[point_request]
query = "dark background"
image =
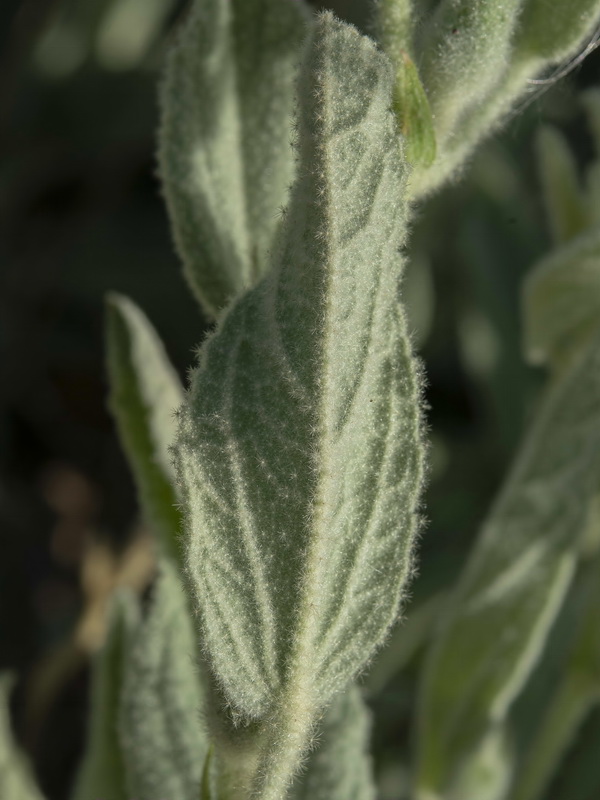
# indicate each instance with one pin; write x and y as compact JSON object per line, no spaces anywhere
{"x":80,"y":214}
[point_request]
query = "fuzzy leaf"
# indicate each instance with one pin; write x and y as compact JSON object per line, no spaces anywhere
{"x":145,"y":393}
{"x":340,"y":766}
{"x":465,"y":51}
{"x":563,"y":196}
{"x":224,"y":151}
{"x":16,"y":779}
{"x":561,"y":301}
{"x":102,"y":772}
{"x":299,"y":451}
{"x":516,"y":580}
{"x":553,"y":30}
{"x":163,"y":740}
{"x":546,"y":32}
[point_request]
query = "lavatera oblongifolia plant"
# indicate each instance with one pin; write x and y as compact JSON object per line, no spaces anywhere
{"x":285,"y":492}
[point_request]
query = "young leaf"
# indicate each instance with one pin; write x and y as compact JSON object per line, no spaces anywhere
{"x":162,"y":736}
{"x":553,"y":30}
{"x":516,"y":579}
{"x":561,"y":301}
{"x":465,"y":51}
{"x":563,"y":195}
{"x":16,"y":779}
{"x":299,"y":451}
{"x":414,"y":114}
{"x":102,"y":773}
{"x":546,"y":32}
{"x":145,"y":393}
{"x":224,"y":151}
{"x":340,"y":766}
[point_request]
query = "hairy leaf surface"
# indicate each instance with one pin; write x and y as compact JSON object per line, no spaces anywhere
{"x":225,"y":155}
{"x":16,"y":778}
{"x":299,"y":451}
{"x":162,"y":734}
{"x":340,"y":766}
{"x":145,"y":393}
{"x":516,"y":579}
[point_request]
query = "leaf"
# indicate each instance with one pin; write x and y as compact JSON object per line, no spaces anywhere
{"x":577,"y":692}
{"x":102,"y":772}
{"x":553,"y":30}
{"x":466,"y":49}
{"x":561,"y":301}
{"x":16,"y":779}
{"x":563,"y":196}
{"x":340,"y":766}
{"x":224,"y":152}
{"x":516,"y":579}
{"x":144,"y":395}
{"x":162,"y":735}
{"x":299,"y":452}
{"x":414,"y":114}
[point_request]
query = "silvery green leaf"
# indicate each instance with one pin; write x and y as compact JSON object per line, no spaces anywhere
{"x":553,"y":30}
{"x":145,"y":392}
{"x":561,"y":301}
{"x":16,"y":778}
{"x":339,"y":767}
{"x":563,"y":196}
{"x":162,"y":735}
{"x":465,"y":52}
{"x":578,"y":691}
{"x":546,"y":32}
{"x":516,"y":579}
{"x":225,"y":155}
{"x":102,"y":772}
{"x":299,"y":453}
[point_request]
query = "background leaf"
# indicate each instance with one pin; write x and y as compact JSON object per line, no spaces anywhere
{"x":516,"y":578}
{"x":225,"y":155}
{"x":16,"y":778}
{"x":163,"y":740}
{"x":145,"y":393}
{"x":102,"y":772}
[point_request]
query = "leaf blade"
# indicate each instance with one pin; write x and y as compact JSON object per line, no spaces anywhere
{"x":144,"y":395}
{"x":299,"y":453}
{"x":162,"y":738}
{"x":510,"y":592}
{"x":224,"y":151}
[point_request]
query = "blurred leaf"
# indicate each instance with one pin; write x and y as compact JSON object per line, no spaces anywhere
{"x":561,"y":301}
{"x":163,"y":740}
{"x":577,"y":691}
{"x":562,"y":193}
{"x":16,"y":777}
{"x":102,"y":772}
{"x":144,"y":394}
{"x":515,"y":580}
